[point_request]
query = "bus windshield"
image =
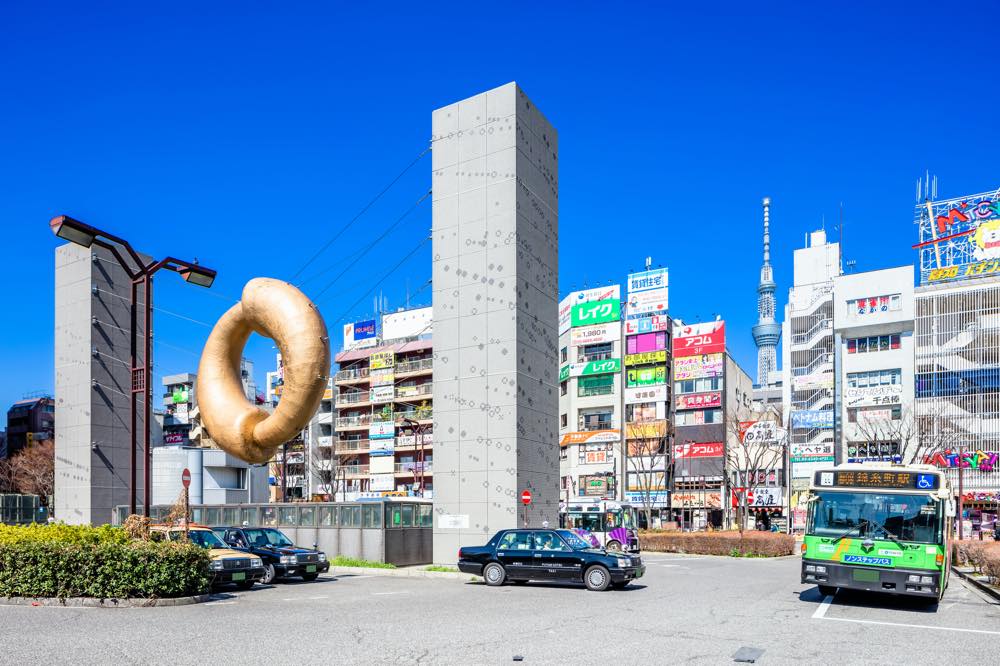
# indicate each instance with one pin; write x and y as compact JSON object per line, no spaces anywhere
{"x":584,"y":521}
{"x":875,"y":515}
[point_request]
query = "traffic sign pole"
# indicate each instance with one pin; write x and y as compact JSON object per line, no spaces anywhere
{"x":526,"y":500}
{"x":186,"y":482}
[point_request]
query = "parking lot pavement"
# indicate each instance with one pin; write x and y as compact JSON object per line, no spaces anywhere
{"x":697,"y":609}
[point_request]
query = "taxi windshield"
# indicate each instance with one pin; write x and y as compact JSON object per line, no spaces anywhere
{"x":267,"y":537}
{"x":204,"y":538}
{"x":575,"y":542}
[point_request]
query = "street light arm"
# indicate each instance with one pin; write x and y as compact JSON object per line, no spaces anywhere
{"x":121,"y":260}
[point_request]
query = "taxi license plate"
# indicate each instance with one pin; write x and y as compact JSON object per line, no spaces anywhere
{"x":239,"y":576}
{"x":638,"y":573}
{"x":310,"y":568}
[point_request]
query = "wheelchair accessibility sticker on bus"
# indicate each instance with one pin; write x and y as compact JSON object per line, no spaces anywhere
{"x":864,"y":559}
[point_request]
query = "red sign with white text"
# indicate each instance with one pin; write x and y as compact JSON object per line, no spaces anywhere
{"x":699,"y":339}
{"x":698,"y":450}
{"x":699,"y":400}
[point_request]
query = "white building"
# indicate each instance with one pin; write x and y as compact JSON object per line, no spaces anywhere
{"x":808,"y":364}
{"x":216,"y":477}
{"x":873,"y":325}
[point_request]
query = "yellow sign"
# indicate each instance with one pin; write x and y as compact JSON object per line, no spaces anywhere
{"x":647,"y":430}
{"x":383,"y":359}
{"x":646,"y":357}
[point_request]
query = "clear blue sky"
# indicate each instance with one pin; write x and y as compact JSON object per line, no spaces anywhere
{"x":246,"y":137}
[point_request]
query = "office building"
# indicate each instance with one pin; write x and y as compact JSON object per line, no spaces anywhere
{"x":495,"y":275}
{"x":29,"y":420}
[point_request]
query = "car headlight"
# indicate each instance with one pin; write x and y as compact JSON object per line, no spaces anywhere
{"x":623,"y":562}
{"x":215,"y":565}
{"x":288,"y":559}
{"x":256,"y":562}
{"x":322,"y":557}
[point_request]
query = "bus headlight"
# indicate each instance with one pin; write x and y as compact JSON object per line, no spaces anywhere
{"x":927,"y":580}
{"x":913,"y":578}
{"x":810,"y":568}
{"x":820,"y":569}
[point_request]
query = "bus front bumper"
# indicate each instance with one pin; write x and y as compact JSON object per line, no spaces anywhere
{"x":919,"y":582}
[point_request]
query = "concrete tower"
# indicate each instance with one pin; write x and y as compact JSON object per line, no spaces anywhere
{"x":767,"y":332}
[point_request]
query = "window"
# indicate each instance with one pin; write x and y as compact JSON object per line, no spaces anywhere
{"x":599,"y":385}
{"x":698,"y":417}
{"x":599,"y":419}
{"x":371,"y":516}
{"x":645,"y":411}
{"x":564,"y":354}
{"x":515,"y":541}
{"x":563,"y":387}
{"x":874,"y":378}
{"x":600,"y":351}
{"x":562,"y":421}
{"x":873,"y":344}
{"x":698,"y":385}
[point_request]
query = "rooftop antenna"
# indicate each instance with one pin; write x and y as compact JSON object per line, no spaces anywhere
{"x":649,"y":262}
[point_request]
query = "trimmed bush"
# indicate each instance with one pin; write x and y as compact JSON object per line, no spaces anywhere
{"x":754,"y":543}
{"x":982,"y":556}
{"x":79,"y":561}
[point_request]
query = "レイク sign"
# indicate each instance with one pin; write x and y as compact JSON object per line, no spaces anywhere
{"x":699,"y":339}
{"x":604,"y":367}
{"x":595,"y":312}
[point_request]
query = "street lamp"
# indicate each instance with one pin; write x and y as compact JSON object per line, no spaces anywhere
{"x":140,"y":272}
{"x":418,"y":432}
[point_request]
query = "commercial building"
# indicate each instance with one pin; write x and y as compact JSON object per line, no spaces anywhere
{"x":808,"y":364}
{"x":495,"y":275}
{"x":958,"y":348}
{"x":178,"y":404}
{"x":873,"y":328}
{"x":29,"y":420}
{"x":216,"y":477}
{"x":590,"y":393}
{"x":712,"y":393}
{"x":376,"y":435}
{"x":648,"y":395}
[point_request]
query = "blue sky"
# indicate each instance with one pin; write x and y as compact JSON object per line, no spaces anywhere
{"x":248,"y":136}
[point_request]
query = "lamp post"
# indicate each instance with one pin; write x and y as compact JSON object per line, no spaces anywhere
{"x":141,"y":272}
{"x":418,"y":432}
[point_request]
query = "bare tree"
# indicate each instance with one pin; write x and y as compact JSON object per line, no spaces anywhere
{"x":31,"y":470}
{"x":646,"y":446}
{"x":755,"y":450}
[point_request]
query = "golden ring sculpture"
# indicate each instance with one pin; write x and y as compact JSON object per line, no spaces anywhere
{"x":279,"y":311}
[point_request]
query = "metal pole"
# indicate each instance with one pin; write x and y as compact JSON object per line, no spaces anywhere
{"x":131,"y":395}
{"x":147,"y":394}
{"x":961,"y":498}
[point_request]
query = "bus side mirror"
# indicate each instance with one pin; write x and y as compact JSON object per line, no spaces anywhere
{"x":949,"y":509}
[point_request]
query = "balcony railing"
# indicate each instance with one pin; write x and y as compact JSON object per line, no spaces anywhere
{"x":413,"y":467}
{"x":350,"y":373}
{"x":415,"y":366}
{"x":404,"y":393}
{"x":412,"y":441}
{"x":352,"y":398}
{"x":354,"y":470}
{"x":422,"y":414}
{"x":591,"y":426}
{"x":354,"y":421}
{"x":352,"y":445}
{"x":821,"y":325}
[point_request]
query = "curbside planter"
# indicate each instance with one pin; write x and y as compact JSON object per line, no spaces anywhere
{"x":91,"y":602}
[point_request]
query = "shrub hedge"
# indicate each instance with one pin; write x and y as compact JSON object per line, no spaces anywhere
{"x":982,"y":556}
{"x":753,"y":544}
{"x":101,"y":562}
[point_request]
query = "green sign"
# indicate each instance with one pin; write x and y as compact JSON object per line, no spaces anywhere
{"x":180,"y":395}
{"x":604,"y":367}
{"x":647,"y":376}
{"x":595,"y":312}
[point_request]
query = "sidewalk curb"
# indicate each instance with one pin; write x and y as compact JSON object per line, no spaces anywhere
{"x":408,"y":572}
{"x":91,"y":602}
{"x":981,"y":586}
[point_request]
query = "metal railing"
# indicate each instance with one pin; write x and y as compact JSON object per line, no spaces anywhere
{"x":354,"y":470}
{"x":405,"y":392}
{"x":352,"y":421}
{"x":350,"y":373}
{"x":822,"y":324}
{"x":585,"y":391}
{"x":352,"y":445}
{"x":352,"y":398}
{"x":423,"y":414}
{"x":411,"y":467}
{"x":414,"y":366}
{"x":825,"y":357}
{"x":602,"y":425}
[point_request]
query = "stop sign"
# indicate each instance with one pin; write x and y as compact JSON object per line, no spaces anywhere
{"x":526,"y":497}
{"x":186,"y":477}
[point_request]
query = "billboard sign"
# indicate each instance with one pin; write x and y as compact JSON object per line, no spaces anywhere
{"x":886,"y":394}
{"x":645,"y":358}
{"x":381,"y":482}
{"x":698,"y":400}
{"x":696,"y":500}
{"x":699,"y":339}
{"x":594,"y":486}
{"x":647,"y":375}
{"x":809,"y":453}
{"x":407,"y":324}
{"x":959,"y":238}
{"x":695,"y":367}
{"x":604,"y":367}
{"x":699,"y":450}
{"x":652,"y":280}
{"x":382,"y":448}
{"x":382,"y":360}
{"x":586,"y":335}
{"x":821,"y":380}
{"x":360,"y":334}
{"x":766,"y":433}
{"x":382,"y":394}
{"x":590,"y":437}
{"x":382,"y":376}
{"x":813,"y":418}
{"x":595,"y":312}
{"x":382,"y":430}
{"x":639,"y":394}
{"x":648,"y":324}
{"x":647,"y":303}
{"x":761,"y":497}
{"x":587,"y":295}
{"x":646,"y":430}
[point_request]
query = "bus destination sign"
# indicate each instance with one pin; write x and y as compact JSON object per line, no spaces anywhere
{"x":878,"y":479}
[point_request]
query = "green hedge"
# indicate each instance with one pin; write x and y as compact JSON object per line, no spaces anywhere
{"x":752,"y":544}
{"x":77,"y":561}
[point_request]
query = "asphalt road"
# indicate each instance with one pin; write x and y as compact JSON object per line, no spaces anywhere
{"x":686,"y":609}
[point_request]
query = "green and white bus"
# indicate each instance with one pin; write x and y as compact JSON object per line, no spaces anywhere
{"x":879,"y":527}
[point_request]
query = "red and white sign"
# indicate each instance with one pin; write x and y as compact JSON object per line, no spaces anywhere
{"x":698,"y":339}
{"x":648,"y":324}
{"x":526,"y":497}
{"x":698,"y":450}
{"x":758,"y":497}
{"x":186,"y":477}
{"x":699,"y":400}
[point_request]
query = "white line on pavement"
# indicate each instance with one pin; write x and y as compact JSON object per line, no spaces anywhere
{"x":322,"y":597}
{"x":380,"y":594}
{"x":823,"y":607}
{"x":219,"y":603}
{"x":914,"y":626}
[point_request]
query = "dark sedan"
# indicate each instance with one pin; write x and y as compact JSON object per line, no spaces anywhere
{"x":544,"y":554}
{"x":281,"y":557}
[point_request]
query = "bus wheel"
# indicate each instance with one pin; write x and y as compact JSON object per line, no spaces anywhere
{"x":827,"y":590}
{"x":615,"y":546}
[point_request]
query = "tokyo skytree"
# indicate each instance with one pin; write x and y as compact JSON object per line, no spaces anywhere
{"x":767,"y":332}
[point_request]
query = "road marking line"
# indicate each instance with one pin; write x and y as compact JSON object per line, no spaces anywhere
{"x":914,"y":626}
{"x":823,"y":607}
{"x":669,"y":565}
{"x":323,"y":597}
{"x":219,"y":603}
{"x":379,"y":594}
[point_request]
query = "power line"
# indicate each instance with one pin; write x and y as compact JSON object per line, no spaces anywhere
{"x":361,"y":212}
{"x":372,"y":244}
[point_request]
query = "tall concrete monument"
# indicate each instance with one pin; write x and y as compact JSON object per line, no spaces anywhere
{"x":495,"y":277}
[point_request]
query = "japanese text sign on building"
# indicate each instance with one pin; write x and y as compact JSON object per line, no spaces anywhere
{"x":382,"y":359}
{"x":647,"y":375}
{"x":644,"y":358}
{"x":595,"y":312}
{"x":699,"y":339}
{"x":698,"y":400}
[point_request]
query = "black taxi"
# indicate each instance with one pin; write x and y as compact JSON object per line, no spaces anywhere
{"x":521,"y":555}
{"x":282,"y":558}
